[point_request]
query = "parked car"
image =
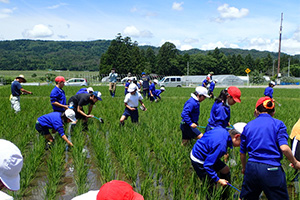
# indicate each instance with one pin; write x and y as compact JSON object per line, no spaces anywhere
{"x":76,"y":82}
{"x":170,"y":81}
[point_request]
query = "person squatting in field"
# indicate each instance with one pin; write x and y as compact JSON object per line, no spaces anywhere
{"x":190,"y":115}
{"x":211,"y":88}
{"x":129,"y":81}
{"x":265,"y":139}
{"x":207,"y":151}
{"x":16,"y":91}
{"x":152,"y":90}
{"x":295,"y":137}
{"x":157,"y":93}
{"x":269,"y":90}
{"x":11,"y":163}
{"x":77,"y":102}
{"x":55,"y":121}
{"x":57,"y":96}
{"x":220,"y":111}
{"x":88,"y":90}
{"x":131,"y":101}
{"x":205,"y":82}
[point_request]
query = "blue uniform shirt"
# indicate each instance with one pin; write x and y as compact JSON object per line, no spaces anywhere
{"x":219,"y":115}
{"x":82,"y":90}
{"x":269,"y":92}
{"x":262,"y":138}
{"x":145,"y":80}
{"x":53,"y":121}
{"x":58,"y":95}
{"x":204,"y":83}
{"x":126,"y":87}
{"x":191,"y":111}
{"x":152,"y":88}
{"x":157,"y":93}
{"x":212,"y":86}
{"x":211,"y":147}
{"x":16,"y":88}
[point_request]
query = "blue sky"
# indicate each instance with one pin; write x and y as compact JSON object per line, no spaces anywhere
{"x":202,"y":24}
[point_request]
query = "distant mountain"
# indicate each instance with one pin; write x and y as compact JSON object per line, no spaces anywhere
{"x":78,"y":55}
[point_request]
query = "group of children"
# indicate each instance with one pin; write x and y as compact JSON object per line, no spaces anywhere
{"x":264,"y":139}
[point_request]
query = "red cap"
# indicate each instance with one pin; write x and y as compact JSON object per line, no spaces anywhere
{"x":235,"y":93}
{"x":264,"y":101}
{"x":59,"y":79}
{"x":118,"y":190}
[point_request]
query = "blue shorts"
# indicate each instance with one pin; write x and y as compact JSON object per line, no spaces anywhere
{"x":189,"y":133}
{"x":201,"y":172}
{"x":41,"y":129}
{"x":263,"y":177}
{"x":134,"y":114}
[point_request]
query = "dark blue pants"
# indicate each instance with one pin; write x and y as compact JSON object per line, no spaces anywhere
{"x":263,"y":177}
{"x":189,"y":133}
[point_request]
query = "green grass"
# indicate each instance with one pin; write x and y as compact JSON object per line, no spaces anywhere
{"x":147,"y":155}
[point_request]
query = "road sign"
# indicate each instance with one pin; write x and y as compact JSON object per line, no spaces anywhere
{"x":247,"y":70}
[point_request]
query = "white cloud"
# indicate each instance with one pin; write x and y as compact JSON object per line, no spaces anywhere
{"x":177,"y":6}
{"x":5,"y":12}
{"x":57,"y":6}
{"x":4,"y":1}
{"x":186,"y":47}
{"x":132,"y":31}
{"x":211,"y":45}
{"x":38,"y":31}
{"x":230,"y":13}
{"x":191,"y":40}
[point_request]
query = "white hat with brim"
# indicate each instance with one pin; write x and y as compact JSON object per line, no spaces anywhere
{"x":132,"y":87}
{"x":70,"y":114}
{"x":90,"y":89}
{"x":239,"y":126}
{"x":273,"y":83}
{"x":22,"y":77}
{"x":202,"y":91}
{"x":155,"y":81}
{"x":11,"y":163}
{"x":97,"y":94}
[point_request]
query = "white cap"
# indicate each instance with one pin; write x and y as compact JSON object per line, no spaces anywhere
{"x":132,"y":87}
{"x":90,"y":89}
{"x":155,"y":81}
{"x":239,"y":126}
{"x":141,"y":81}
{"x":216,"y":80}
{"x":97,"y":94}
{"x":162,"y":88}
{"x":70,"y":114}
{"x":202,"y":91}
{"x":11,"y":163}
{"x":273,"y":83}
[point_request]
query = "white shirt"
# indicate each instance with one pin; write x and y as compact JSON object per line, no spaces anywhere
{"x":4,"y":196}
{"x":133,"y":100}
{"x":87,"y":196}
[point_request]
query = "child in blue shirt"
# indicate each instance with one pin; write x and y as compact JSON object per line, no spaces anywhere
{"x":190,"y":115}
{"x":265,"y":139}
{"x":57,"y":95}
{"x":269,"y":90}
{"x":157,"y":93}
{"x":220,"y":111}
{"x":207,"y":151}
{"x":55,"y":121}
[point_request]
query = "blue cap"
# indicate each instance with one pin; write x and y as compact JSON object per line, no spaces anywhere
{"x":97,"y":94}
{"x":143,"y":73}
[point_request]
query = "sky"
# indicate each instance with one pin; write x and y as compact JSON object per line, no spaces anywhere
{"x":201,"y":24}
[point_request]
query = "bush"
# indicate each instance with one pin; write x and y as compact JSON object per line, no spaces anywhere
{"x":256,"y":77}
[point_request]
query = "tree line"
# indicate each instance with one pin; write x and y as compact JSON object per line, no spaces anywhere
{"x":127,"y":56}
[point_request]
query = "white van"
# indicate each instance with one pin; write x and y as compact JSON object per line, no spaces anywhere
{"x":171,"y":81}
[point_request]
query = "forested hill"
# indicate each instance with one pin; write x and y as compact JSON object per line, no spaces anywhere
{"x":77,"y":55}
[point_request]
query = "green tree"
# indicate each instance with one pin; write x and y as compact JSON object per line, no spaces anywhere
{"x":165,"y":59}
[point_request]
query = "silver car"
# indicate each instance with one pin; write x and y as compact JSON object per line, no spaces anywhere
{"x":76,"y":82}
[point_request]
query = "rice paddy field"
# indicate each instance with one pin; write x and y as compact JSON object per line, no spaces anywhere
{"x":148,"y":155}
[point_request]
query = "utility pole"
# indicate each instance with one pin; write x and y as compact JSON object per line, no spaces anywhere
{"x":280,"y":32}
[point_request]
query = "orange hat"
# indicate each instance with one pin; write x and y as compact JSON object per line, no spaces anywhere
{"x":235,"y":93}
{"x":264,"y":101}
{"x":59,"y":79}
{"x":118,"y":190}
